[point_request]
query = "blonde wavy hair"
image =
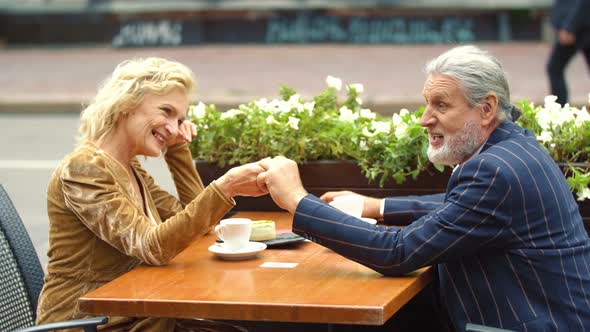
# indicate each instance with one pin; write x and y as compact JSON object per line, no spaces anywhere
{"x":126,"y":89}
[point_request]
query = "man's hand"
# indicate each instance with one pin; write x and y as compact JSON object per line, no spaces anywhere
{"x":242,"y":181}
{"x":566,"y":37}
{"x":371,"y":207}
{"x":282,"y":181}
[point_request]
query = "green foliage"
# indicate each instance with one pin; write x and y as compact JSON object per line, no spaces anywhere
{"x":385,"y":148}
{"x":319,"y":129}
{"x":564,"y":131}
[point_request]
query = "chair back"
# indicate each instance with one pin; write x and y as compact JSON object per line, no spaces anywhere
{"x":21,"y":275}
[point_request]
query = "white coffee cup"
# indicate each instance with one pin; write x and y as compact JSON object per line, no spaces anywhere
{"x":235,"y":232}
{"x":351,"y":204}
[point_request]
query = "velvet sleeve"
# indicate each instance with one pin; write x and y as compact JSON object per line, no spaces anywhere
{"x":92,"y":192}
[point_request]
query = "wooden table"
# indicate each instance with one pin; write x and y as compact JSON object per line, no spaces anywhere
{"x":323,"y":288}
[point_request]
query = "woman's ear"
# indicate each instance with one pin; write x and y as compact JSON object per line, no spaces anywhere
{"x":489,"y":108}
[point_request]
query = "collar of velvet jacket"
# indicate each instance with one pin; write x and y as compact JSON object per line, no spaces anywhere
{"x":119,"y":172}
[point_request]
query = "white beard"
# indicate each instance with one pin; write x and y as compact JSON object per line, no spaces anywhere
{"x":457,"y":148}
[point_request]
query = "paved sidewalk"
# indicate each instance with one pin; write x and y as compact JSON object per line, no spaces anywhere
{"x":62,"y":79}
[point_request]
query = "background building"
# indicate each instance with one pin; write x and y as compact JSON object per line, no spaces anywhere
{"x":124,"y":23}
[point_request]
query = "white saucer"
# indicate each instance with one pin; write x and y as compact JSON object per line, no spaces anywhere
{"x":250,"y":251}
{"x":370,"y":220}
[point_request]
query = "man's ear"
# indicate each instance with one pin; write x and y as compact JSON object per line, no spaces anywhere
{"x":489,"y":109}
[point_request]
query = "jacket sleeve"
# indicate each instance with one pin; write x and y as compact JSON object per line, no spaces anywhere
{"x":186,"y":180}
{"x":93,"y":194}
{"x":578,"y":12}
{"x":474,"y":215}
{"x":405,"y":209}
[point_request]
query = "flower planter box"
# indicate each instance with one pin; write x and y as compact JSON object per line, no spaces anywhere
{"x":321,"y":176}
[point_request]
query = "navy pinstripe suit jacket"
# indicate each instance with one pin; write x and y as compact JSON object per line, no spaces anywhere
{"x":507,"y":239}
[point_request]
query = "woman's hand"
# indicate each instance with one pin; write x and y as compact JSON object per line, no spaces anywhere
{"x":185,"y":133}
{"x":241,"y":181}
{"x":371,"y":208}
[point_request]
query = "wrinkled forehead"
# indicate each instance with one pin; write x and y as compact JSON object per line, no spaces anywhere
{"x":441,"y":85}
{"x":177,"y":99}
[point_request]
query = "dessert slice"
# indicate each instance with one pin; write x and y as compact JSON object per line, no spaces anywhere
{"x":263,"y":230}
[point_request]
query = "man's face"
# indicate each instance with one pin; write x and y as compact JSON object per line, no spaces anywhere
{"x":454,"y":128}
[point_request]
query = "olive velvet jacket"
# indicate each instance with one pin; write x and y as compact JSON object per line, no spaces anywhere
{"x":98,"y":230}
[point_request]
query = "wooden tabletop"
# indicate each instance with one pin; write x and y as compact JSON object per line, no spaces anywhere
{"x":323,"y":288}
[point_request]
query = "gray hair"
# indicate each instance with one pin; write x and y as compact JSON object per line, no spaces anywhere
{"x":480,"y":73}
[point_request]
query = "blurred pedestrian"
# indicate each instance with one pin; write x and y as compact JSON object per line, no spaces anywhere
{"x":571,"y":21}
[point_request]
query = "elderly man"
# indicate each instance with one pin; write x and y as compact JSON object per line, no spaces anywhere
{"x":507,"y":239}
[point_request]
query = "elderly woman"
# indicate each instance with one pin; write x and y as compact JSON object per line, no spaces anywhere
{"x":106,"y":213}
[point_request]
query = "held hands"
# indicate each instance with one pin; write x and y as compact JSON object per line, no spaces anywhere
{"x":185,"y":133}
{"x":282,"y":182}
{"x":371,"y":208}
{"x":242,"y":181}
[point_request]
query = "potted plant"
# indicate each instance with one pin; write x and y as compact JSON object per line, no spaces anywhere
{"x":341,"y":145}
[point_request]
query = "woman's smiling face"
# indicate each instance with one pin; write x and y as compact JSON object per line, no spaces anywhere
{"x":154,"y":123}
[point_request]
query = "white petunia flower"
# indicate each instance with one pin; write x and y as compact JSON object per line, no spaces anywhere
{"x":363,"y":145}
{"x":334,"y":82}
{"x":582,"y":117}
{"x":293,"y":123}
{"x":279,"y":106}
{"x":199,"y":110}
{"x":270,"y":119}
{"x":545,"y":137}
{"x":396,"y":119}
{"x":358,"y":87}
{"x":367,"y":113}
{"x":401,"y":131}
{"x":295,"y":102}
{"x":368,"y":133}
{"x":294,"y":99}
{"x":583,"y":194}
{"x":285,"y":106}
{"x":261,"y":103}
{"x":309,"y":107}
{"x":230,"y":114}
{"x":347,"y":115}
{"x":381,"y":127}
{"x":549,"y":100}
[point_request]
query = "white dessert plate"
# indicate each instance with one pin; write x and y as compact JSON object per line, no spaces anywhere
{"x":250,"y":251}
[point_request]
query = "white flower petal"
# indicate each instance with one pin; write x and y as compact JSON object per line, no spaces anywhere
{"x":358,"y":87}
{"x":334,"y":82}
{"x":583,"y":194}
{"x":293,"y":123}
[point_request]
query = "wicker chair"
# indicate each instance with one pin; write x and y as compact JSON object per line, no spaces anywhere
{"x":21,"y":277}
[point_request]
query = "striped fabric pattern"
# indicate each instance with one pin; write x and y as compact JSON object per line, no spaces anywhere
{"x":507,"y":239}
